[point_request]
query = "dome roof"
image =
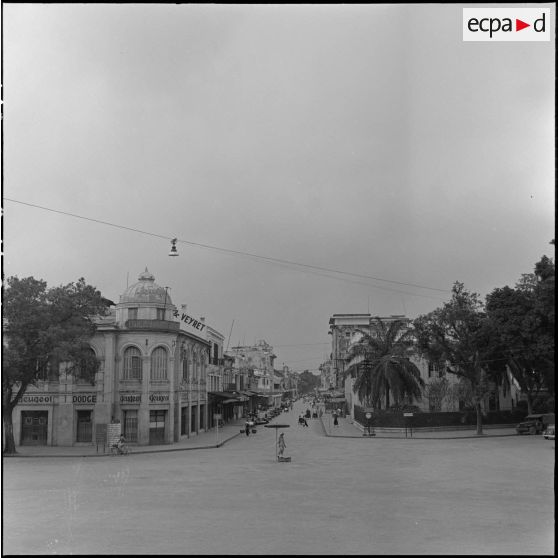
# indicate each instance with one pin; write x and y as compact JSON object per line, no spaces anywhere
{"x":146,"y":290}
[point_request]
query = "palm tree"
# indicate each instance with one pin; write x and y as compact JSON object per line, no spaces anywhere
{"x":384,"y":366}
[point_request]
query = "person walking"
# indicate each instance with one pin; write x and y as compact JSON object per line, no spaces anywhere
{"x":281,"y":445}
{"x":247,"y":429}
{"x":335,"y":421}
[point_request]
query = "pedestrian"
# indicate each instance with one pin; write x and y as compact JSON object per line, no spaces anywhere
{"x":121,"y":444}
{"x":335,"y":421}
{"x":281,"y":445}
{"x":305,"y":423}
{"x":247,"y":429}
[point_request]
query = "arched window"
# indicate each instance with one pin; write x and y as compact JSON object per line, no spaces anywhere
{"x":159,"y":364}
{"x":196,"y":369}
{"x":132,"y":364}
{"x":185,"y":368}
{"x":203,"y":375}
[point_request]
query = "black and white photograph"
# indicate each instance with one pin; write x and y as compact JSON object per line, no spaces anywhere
{"x":278,"y":279}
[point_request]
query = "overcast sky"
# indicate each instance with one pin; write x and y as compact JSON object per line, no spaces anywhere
{"x":367,"y":139}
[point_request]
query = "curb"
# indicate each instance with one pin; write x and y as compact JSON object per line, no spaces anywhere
{"x":484,"y":435}
{"x":211,"y":446}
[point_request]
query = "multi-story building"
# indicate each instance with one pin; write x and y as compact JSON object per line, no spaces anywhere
{"x":341,"y":328}
{"x":256,"y":363}
{"x":327,"y":377}
{"x":290,"y":381}
{"x":439,"y":393}
{"x":152,"y":378}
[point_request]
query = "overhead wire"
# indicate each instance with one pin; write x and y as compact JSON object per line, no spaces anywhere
{"x":288,"y":263}
{"x":306,"y":267}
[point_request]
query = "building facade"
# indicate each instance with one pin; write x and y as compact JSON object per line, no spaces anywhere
{"x":441,"y":391}
{"x":256,"y":364}
{"x":152,"y":378}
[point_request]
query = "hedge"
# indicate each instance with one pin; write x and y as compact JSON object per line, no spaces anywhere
{"x":433,"y":419}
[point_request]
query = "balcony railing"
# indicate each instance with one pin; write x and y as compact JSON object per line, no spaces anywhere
{"x":217,"y":361}
{"x":159,"y":325}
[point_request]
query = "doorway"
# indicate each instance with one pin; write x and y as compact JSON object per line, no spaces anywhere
{"x":131,"y":425}
{"x":84,"y":427}
{"x":34,"y":428}
{"x":157,"y":421}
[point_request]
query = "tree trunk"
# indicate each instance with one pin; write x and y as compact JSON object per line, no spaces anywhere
{"x":387,"y":397}
{"x":9,"y":441}
{"x":479,"y":417}
{"x":529,"y":403}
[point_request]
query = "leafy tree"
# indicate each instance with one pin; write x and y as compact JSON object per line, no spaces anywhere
{"x":307,"y":382}
{"x":461,"y":392}
{"x":437,"y":391}
{"x":522,"y":320}
{"x":456,"y":335}
{"x":42,"y":328}
{"x":385,"y":367}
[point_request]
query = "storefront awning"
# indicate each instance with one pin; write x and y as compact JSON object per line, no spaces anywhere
{"x":221,"y":394}
{"x":228,"y":396}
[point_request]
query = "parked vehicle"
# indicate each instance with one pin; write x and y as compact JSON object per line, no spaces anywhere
{"x":261,"y":420}
{"x":535,"y":424}
{"x":548,"y":434}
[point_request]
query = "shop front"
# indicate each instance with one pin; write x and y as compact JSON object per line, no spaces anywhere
{"x":157,"y":426}
{"x":159,"y":417}
{"x":34,"y":428}
{"x":84,"y":426}
{"x":84,"y":404}
{"x":33,"y":419}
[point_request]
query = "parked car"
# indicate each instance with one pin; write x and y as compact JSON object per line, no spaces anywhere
{"x":535,"y":424}
{"x":548,"y":434}
{"x":261,"y":420}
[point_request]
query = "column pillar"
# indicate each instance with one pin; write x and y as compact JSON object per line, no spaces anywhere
{"x":170,"y":437}
{"x":143,"y":412}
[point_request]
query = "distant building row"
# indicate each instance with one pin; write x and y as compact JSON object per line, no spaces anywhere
{"x":163,"y":375}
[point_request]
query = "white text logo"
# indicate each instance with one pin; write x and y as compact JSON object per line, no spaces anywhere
{"x":506,"y":24}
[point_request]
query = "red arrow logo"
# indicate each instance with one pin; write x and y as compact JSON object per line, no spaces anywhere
{"x":519,"y":25}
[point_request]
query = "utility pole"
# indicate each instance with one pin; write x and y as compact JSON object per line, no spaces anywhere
{"x":230,"y":332}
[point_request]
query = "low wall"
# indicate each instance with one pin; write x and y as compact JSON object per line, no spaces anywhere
{"x":397,"y":430}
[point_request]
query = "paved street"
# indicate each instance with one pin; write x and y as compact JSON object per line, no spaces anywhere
{"x":339,"y":495}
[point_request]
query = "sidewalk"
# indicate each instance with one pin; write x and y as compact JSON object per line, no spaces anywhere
{"x":203,"y":440}
{"x":211,"y":439}
{"x":347,"y":429}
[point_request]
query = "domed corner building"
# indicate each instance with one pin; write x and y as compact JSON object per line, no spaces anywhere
{"x":151,"y":379}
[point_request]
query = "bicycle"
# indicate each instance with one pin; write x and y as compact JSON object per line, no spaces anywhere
{"x":119,"y":450}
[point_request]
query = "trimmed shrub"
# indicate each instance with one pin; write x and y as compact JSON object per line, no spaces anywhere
{"x":396,"y":419}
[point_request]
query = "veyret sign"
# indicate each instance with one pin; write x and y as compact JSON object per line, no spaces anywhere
{"x":189,"y":321}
